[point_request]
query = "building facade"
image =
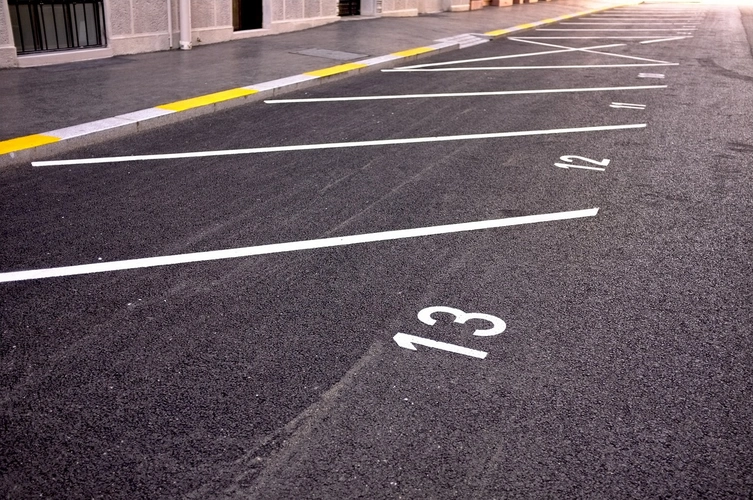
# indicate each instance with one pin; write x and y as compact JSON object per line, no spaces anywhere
{"x":38,"y":32}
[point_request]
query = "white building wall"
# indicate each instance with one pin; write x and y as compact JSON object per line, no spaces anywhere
{"x":136,"y":26}
{"x":293,"y":15}
{"x":7,"y":48}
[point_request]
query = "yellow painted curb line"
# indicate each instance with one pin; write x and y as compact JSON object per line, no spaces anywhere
{"x":205,"y":100}
{"x":26,"y":142}
{"x":333,"y":70}
{"x":412,"y":52}
{"x":499,"y":32}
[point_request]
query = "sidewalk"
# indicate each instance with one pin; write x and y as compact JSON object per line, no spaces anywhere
{"x":127,"y":93}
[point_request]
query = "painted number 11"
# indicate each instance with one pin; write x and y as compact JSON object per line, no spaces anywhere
{"x":425,"y":315}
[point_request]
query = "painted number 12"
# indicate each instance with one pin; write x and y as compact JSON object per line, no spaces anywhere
{"x":569,"y":159}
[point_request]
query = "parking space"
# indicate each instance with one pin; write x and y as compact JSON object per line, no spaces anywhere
{"x":468,"y":277}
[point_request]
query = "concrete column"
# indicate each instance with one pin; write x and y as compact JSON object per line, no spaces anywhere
{"x":185,"y":24}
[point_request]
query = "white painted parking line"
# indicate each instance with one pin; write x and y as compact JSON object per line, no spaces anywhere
{"x":650,"y":75}
{"x":666,"y":39}
{"x":645,"y":37}
{"x":636,"y":15}
{"x":335,"y":145}
{"x":460,"y":94}
{"x":232,"y":253}
{"x":609,"y":29}
{"x":649,"y":11}
{"x":507,"y":68}
{"x":638,"y":18}
{"x":627,"y":105}
{"x":620,"y":23}
{"x":643,"y":21}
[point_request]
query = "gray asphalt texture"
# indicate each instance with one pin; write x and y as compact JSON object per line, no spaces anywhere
{"x":625,"y":368}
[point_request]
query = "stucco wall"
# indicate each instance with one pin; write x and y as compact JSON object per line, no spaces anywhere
{"x":7,"y":48}
{"x":142,"y":25}
{"x":135,"y":26}
{"x":6,"y":37}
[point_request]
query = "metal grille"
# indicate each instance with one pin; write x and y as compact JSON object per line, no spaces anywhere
{"x":47,"y":25}
{"x":349,"y":7}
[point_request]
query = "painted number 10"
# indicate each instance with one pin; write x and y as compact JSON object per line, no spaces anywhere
{"x":425,"y":315}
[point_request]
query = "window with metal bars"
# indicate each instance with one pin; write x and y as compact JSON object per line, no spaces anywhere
{"x":48,"y":25}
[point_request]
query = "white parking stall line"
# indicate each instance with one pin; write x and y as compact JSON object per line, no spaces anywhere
{"x":637,"y":15}
{"x":644,"y":19}
{"x":666,"y":39}
{"x":620,"y":23}
{"x":649,"y":11}
{"x":627,"y":105}
{"x":609,"y":29}
{"x":459,"y":94}
{"x":510,"y":68}
{"x":643,"y":16}
{"x":335,"y":145}
{"x":644,"y":37}
{"x":232,"y":253}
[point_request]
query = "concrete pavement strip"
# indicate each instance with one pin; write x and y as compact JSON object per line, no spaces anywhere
{"x":30,"y":147}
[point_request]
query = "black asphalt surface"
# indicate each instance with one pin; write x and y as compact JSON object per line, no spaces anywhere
{"x":625,"y":367}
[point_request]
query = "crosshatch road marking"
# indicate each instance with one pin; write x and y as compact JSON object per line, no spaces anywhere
{"x":289,"y":247}
{"x":446,"y":65}
{"x":561,"y":50}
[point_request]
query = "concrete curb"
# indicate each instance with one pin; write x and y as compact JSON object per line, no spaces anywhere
{"x":31,"y":147}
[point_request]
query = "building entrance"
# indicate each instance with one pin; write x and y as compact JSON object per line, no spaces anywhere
{"x":247,"y":15}
{"x":349,"y":8}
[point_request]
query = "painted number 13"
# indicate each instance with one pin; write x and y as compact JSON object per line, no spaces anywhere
{"x":425,"y":315}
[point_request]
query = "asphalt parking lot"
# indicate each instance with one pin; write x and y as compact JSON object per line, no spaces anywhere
{"x":517,"y":270}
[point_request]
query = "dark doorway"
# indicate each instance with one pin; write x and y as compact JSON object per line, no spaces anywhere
{"x":247,"y":14}
{"x":349,"y":8}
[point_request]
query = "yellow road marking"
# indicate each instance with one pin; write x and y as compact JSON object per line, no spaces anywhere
{"x":26,"y":142}
{"x":497,"y":32}
{"x":204,"y":100}
{"x":333,"y":70}
{"x":412,"y":52}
